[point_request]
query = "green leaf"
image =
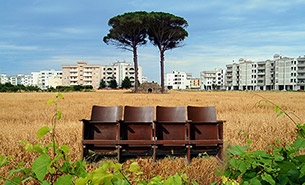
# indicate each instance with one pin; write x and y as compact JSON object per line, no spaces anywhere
{"x":21,"y":164}
{"x":280,"y":113}
{"x":58,"y":95}
{"x":80,"y":168}
{"x":45,"y":183}
{"x":81,"y":181}
{"x":302,"y":171}
{"x":3,"y":160}
{"x":255,"y":181}
{"x":134,"y":167}
{"x":66,"y":180}
{"x":65,"y":148}
{"x":299,"y":143}
{"x":12,"y":172}
{"x":13,"y":181}
{"x":43,"y":131}
{"x":50,"y":101}
{"x":268,"y":178}
{"x":249,"y":141}
{"x":276,"y":108}
{"x":58,"y":114}
{"x":51,"y":170}
{"x":40,"y":166}
{"x":116,"y":166}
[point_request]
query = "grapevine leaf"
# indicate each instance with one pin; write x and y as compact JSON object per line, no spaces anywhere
{"x":268,"y":178}
{"x":276,"y":108}
{"x":134,"y":167}
{"x":59,"y":113}
{"x":40,"y":166}
{"x":43,"y":131}
{"x":66,"y":179}
{"x":50,"y":101}
{"x":279,"y":113}
{"x":65,"y":148}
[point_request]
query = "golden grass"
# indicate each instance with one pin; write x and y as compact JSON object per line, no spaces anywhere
{"x":22,"y":114}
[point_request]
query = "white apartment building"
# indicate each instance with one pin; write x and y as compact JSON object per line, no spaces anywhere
{"x":281,"y":73}
{"x":26,"y":80}
{"x":119,"y":71}
{"x":45,"y":79}
{"x":4,"y":79}
{"x":212,"y":80}
{"x":176,"y":80}
{"x":144,"y":79}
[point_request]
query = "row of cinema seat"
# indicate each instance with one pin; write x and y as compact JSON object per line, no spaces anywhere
{"x":106,"y":134}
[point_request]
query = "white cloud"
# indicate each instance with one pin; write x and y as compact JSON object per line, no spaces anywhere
{"x":15,"y":47}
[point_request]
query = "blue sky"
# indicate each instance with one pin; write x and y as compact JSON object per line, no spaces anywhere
{"x":39,"y":34}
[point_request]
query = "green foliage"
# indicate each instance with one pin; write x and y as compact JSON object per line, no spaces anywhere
{"x":283,"y":165}
{"x":8,"y":87}
{"x":83,"y":88}
{"x":113,"y":84}
{"x":126,"y":83}
{"x":102,"y":84}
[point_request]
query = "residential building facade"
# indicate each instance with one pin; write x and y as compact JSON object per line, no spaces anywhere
{"x":4,"y":79}
{"x":212,"y":80}
{"x":176,"y":80}
{"x":281,"y":73}
{"x":81,"y":74}
{"x":84,"y":74}
{"x":119,"y":71}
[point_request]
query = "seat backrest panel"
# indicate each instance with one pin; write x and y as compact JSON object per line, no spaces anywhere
{"x":202,"y":114}
{"x":171,"y":114}
{"x":106,"y":114}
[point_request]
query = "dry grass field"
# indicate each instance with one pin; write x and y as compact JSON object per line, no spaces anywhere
{"x":22,"y":114}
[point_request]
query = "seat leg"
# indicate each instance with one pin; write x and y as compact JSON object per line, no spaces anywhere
{"x":84,"y":151}
{"x":154,"y":153}
{"x":188,"y":154}
{"x":119,"y":153}
{"x":220,"y":153}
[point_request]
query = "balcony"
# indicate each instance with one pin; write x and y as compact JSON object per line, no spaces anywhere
{"x":301,"y":64}
{"x":73,"y":70}
{"x":73,"y":83}
{"x":88,"y":79}
{"x":73,"y":74}
{"x":301,"y":70}
{"x":261,"y":67}
{"x":301,"y":77}
{"x":87,"y":74}
{"x":87,"y":70}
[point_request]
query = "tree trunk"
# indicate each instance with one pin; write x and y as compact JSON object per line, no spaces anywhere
{"x":135,"y":61}
{"x":162,"y":70}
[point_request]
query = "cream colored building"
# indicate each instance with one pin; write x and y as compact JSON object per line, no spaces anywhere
{"x":81,"y":74}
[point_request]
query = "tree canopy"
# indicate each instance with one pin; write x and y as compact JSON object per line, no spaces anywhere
{"x":128,"y":31}
{"x":166,"y":31}
{"x":126,"y":83}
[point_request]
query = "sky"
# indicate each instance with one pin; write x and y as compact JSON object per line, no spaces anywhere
{"x":42,"y":34}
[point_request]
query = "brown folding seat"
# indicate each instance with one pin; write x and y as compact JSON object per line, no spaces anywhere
{"x":205,"y":131}
{"x":171,"y":131}
{"x":137,"y":131}
{"x":101,"y":133}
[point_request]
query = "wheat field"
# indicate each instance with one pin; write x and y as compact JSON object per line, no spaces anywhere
{"x":22,"y":114}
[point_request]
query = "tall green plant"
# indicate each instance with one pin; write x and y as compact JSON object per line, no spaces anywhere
{"x":283,"y":165}
{"x":53,"y":163}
